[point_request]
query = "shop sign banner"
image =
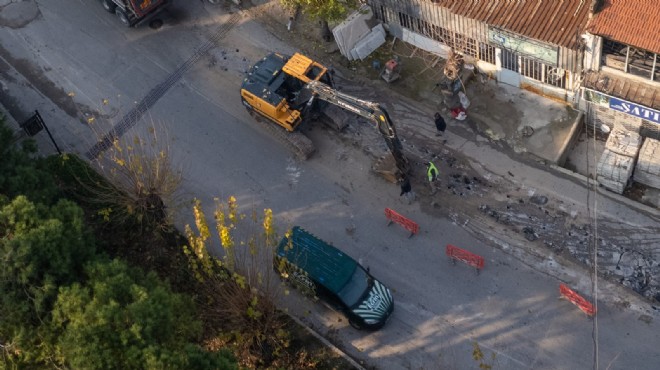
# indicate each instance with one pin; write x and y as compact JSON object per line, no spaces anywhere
{"x":624,"y":106}
{"x":526,"y":47}
{"x":635,"y":110}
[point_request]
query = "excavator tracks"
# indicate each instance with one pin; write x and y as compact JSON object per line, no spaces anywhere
{"x":297,"y":142}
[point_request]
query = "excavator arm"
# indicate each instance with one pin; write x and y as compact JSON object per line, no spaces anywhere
{"x":369,"y":110}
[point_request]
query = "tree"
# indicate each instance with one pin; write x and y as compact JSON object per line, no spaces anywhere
{"x":240,"y":287}
{"x":130,"y":193}
{"x":22,"y":172}
{"x":133,"y":182}
{"x":41,"y":248}
{"x":323,"y":10}
{"x":123,"y":319}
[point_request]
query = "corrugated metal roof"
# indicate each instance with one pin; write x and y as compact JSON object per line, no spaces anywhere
{"x":557,"y":22}
{"x":632,"y":22}
{"x":645,"y":94}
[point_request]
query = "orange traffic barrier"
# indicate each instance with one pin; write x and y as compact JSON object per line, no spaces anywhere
{"x":577,"y":300}
{"x":407,"y":224}
{"x":458,"y":254}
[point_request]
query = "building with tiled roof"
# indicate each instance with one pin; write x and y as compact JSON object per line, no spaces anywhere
{"x":620,"y":91}
{"x":621,"y":83}
{"x":530,"y":44}
{"x":631,"y":22}
{"x":555,"y":22}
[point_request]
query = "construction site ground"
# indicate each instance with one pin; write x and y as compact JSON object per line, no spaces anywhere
{"x":494,"y":180}
{"x":540,"y":216}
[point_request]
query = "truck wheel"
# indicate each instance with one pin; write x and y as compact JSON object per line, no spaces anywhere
{"x":123,"y":18}
{"x":109,"y":6}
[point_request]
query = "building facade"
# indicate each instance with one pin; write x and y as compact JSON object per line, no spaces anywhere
{"x":621,"y":85}
{"x":534,"y":45}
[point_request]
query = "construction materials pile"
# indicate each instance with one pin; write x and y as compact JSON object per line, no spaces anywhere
{"x":454,"y":66}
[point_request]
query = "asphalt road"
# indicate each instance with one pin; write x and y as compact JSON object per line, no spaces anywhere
{"x":83,"y":71}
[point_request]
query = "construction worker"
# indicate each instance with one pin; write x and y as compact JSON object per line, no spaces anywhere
{"x":406,"y":189}
{"x":432,"y":173}
{"x":440,"y":124}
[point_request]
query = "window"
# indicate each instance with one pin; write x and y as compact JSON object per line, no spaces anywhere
{"x":487,"y":53}
{"x":555,"y":76}
{"x":351,"y":293}
{"x":383,"y":14}
{"x":443,"y":35}
{"x":531,"y":68}
{"x":465,"y":45}
{"x":404,"y":20}
{"x":425,"y":28}
{"x":640,"y":62}
{"x":629,"y":59}
{"x":509,"y":60}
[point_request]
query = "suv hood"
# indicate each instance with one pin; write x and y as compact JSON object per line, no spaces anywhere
{"x":377,"y":305}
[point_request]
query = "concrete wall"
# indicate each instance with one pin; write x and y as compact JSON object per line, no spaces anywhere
{"x":593,"y":48}
{"x":487,"y":68}
{"x":542,"y":89}
{"x":601,"y":115}
{"x":572,"y":140}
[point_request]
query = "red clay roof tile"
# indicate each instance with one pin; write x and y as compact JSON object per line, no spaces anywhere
{"x":632,"y":22}
{"x":558,"y":22}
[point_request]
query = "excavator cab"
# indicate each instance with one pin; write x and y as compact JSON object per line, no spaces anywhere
{"x":274,"y":87}
{"x":304,"y":69}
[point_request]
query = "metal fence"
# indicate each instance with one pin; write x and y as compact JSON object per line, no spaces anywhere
{"x":469,"y":37}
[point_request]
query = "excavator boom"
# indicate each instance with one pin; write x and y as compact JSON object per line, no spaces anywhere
{"x":374,"y":112}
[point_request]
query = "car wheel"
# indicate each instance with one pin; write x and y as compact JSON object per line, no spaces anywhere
{"x":109,"y":6}
{"x":355,"y":324}
{"x":123,"y":18}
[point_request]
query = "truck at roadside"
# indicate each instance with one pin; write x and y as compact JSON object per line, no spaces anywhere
{"x":133,"y":13}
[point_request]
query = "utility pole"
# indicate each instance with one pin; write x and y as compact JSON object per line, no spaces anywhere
{"x":34,"y":125}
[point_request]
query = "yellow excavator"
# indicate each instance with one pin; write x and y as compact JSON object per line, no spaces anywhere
{"x":289,"y":91}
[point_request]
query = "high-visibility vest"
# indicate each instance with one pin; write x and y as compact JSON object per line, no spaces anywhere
{"x":430,"y":172}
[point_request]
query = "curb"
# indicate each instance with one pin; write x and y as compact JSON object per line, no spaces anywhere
{"x":641,"y":207}
{"x":327,"y":343}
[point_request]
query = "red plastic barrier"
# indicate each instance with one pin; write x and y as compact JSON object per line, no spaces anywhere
{"x":577,"y":300}
{"x":407,"y":224}
{"x":456,"y":253}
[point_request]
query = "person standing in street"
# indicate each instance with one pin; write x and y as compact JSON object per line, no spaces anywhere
{"x":440,"y":124}
{"x":432,"y":174}
{"x":406,"y":189}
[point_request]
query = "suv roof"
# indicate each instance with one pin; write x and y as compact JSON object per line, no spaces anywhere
{"x":321,"y":261}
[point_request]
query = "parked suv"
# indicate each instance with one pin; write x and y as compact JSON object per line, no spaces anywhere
{"x":325,"y":272}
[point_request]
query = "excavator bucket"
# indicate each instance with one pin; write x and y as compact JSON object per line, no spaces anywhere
{"x":386,"y":167}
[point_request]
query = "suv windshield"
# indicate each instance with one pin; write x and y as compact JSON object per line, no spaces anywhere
{"x":355,"y":288}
